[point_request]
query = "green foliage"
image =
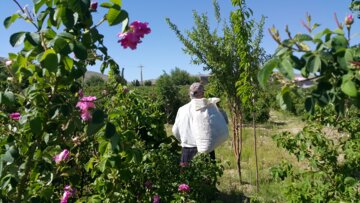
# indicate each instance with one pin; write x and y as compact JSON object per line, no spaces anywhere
{"x":181,"y":77}
{"x":95,"y":81}
{"x":111,"y":154}
{"x":148,"y":83}
{"x":329,"y":141}
{"x":331,"y":154}
{"x":331,"y":66}
{"x":135,"y":83}
{"x":169,"y":96}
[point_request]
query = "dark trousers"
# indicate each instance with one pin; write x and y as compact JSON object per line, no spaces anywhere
{"x":188,"y":153}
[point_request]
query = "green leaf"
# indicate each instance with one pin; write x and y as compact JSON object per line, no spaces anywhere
{"x":90,"y":164}
{"x":110,"y":130}
{"x":10,"y":20}
{"x":93,"y":128}
{"x":33,"y":38}
{"x":281,"y":51}
{"x":67,"y":16}
{"x":80,"y":51}
{"x":98,"y":116}
{"x":106,"y":5}
{"x":266,"y":71}
{"x":286,"y":68}
{"x":17,"y":38}
{"x":302,"y":37}
{"x":116,"y":15}
{"x":125,"y":25}
{"x":49,"y":60}
{"x":349,"y":88}
{"x":117,"y":2}
{"x":36,"y":126}
{"x":68,"y":62}
{"x":115,"y":143}
{"x":315,"y":64}
{"x":7,"y":98}
{"x":38,"y":5}
{"x":102,"y":164}
{"x":62,"y":46}
{"x":339,"y":42}
{"x":11,"y":154}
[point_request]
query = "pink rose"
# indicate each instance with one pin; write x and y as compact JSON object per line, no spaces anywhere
{"x":15,"y":116}
{"x":349,"y":20}
{"x":156,"y":199}
{"x":140,"y":28}
{"x":84,"y":105}
{"x":85,"y":115}
{"x":133,"y":37}
{"x":129,"y":39}
{"x":68,"y":192}
{"x":184,"y":188}
{"x":64,"y":155}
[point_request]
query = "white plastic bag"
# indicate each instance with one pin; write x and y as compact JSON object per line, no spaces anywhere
{"x":210,"y":128}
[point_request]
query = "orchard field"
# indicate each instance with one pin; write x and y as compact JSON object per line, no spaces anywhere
{"x":69,"y":138}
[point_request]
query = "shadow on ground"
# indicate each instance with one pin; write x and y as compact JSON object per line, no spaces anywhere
{"x":232,"y":197}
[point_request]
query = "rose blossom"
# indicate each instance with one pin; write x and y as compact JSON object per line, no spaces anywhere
{"x":156,"y":199}
{"x":68,"y":192}
{"x":15,"y":116}
{"x":129,"y":39}
{"x":140,"y":28}
{"x":64,"y":155}
{"x":349,"y":20}
{"x":133,"y":37}
{"x":184,"y":188}
{"x":84,"y":105}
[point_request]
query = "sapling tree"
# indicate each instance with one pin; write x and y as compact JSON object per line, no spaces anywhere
{"x":229,"y":56}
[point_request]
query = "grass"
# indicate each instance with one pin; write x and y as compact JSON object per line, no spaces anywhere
{"x":269,"y":155}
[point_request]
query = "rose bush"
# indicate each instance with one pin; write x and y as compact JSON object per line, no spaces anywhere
{"x":56,"y":144}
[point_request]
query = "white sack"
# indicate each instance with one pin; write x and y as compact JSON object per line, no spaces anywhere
{"x":210,"y":128}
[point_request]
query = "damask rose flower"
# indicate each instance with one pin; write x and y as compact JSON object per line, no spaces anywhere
{"x":349,"y":20}
{"x":133,"y":37}
{"x":156,"y":199}
{"x":93,"y":5}
{"x":141,"y":29}
{"x":84,"y":105}
{"x":63,"y":156}
{"x":68,"y":192}
{"x":8,"y":62}
{"x":184,"y":188}
{"x":86,"y":102}
{"x":129,"y":39}
{"x":15,"y":116}
{"x":85,"y":115}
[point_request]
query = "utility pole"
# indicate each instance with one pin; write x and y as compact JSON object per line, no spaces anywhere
{"x":141,"y":75}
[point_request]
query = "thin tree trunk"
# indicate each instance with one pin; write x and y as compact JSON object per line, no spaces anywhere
{"x":256,"y":158}
{"x":240,"y":146}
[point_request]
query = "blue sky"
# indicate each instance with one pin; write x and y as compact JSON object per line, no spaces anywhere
{"x":161,"y":50}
